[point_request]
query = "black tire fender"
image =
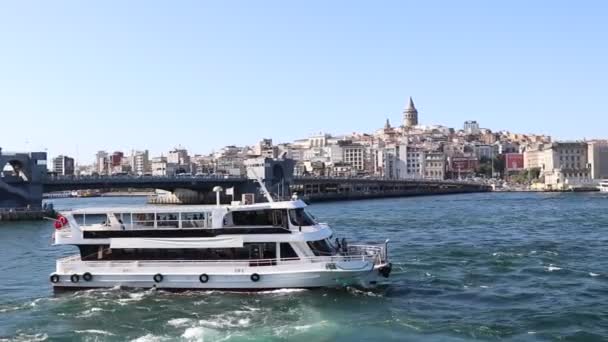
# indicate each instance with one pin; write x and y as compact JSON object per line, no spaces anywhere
{"x":158,"y":278}
{"x":203,"y":278}
{"x":74,"y":278}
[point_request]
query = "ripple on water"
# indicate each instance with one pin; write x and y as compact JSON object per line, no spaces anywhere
{"x":484,"y":266}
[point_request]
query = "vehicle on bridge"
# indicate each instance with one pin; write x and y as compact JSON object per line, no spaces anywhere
{"x":239,"y":247}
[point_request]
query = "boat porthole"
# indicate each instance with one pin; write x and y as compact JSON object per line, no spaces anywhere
{"x":87,"y":276}
{"x":255,"y":277}
{"x":75,"y":278}
{"x":54,"y":278}
{"x":158,"y":278}
{"x":203,"y":278}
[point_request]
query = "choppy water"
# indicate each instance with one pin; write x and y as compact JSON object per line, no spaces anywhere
{"x":484,"y":266}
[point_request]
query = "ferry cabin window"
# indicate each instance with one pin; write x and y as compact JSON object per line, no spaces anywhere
{"x":267,"y":217}
{"x":299,"y":217}
{"x":89,"y":219}
{"x":250,"y":251}
{"x":80,"y":219}
{"x":320,"y":248}
{"x":125,"y":218}
{"x":143,"y":220}
{"x":287,"y":251}
{"x":167,"y":220}
{"x":193,"y":220}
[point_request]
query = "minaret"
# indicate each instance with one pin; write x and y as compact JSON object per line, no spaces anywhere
{"x":387,"y":125}
{"x":410,"y":115}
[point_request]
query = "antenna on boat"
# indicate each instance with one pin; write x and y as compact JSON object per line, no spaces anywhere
{"x":217,"y":189}
{"x":262,"y":186}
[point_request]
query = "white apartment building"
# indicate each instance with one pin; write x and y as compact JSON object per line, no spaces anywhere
{"x":471,"y":127}
{"x":354,"y":155}
{"x":102,"y":163}
{"x":160,"y":167}
{"x":598,"y":159}
{"x":566,"y":165}
{"x":63,"y":165}
{"x":140,"y":162}
{"x":414,"y":161}
{"x":434,"y":165}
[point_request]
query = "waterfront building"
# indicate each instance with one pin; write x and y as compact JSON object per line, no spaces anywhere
{"x":566,"y":166}
{"x":342,"y":170}
{"x":386,"y":160}
{"x":514,"y":162}
{"x":353,"y":154}
{"x":410,"y":115}
{"x":314,"y":168}
{"x":463,"y":166}
{"x":414,"y":161}
{"x":63,"y":165}
{"x":434,"y":165}
{"x":534,"y":157}
{"x":598,"y":159}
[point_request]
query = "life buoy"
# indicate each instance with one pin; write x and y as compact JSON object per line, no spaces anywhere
{"x":60,"y":222}
{"x":54,"y":278}
{"x":74,"y":278}
{"x":203,"y":278}
{"x":87,"y":276}
{"x":158,"y":278}
{"x":255,"y":277}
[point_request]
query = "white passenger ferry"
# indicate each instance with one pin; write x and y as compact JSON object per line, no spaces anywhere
{"x":603,"y":185}
{"x":239,"y":247}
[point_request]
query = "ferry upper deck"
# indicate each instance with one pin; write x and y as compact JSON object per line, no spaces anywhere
{"x":188,"y":221}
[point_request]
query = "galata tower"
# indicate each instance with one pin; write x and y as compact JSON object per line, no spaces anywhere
{"x":410,"y":115}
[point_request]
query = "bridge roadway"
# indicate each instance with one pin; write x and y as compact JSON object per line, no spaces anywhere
{"x":311,"y":188}
{"x":62,"y":183}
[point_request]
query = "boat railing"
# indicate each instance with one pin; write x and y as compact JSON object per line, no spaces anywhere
{"x":381,"y":251}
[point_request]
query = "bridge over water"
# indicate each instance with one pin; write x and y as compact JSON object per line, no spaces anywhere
{"x":25,"y":179}
{"x":310,"y":188}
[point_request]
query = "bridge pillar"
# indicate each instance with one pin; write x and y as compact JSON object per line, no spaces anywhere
{"x":21,"y":179}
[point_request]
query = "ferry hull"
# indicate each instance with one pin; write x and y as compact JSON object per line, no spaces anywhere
{"x":367,"y":278}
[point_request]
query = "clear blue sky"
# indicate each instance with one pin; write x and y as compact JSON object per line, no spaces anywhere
{"x":78,"y":76}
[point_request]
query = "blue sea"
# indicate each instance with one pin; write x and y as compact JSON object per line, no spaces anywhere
{"x":491,"y":266}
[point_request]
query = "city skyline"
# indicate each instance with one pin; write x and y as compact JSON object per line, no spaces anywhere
{"x":94,"y":76}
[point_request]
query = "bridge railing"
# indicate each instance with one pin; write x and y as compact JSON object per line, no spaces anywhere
{"x":383,"y":179}
{"x":130,"y":178}
{"x":222,"y":178}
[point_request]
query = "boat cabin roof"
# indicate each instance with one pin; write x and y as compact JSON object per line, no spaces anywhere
{"x":186,"y":208}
